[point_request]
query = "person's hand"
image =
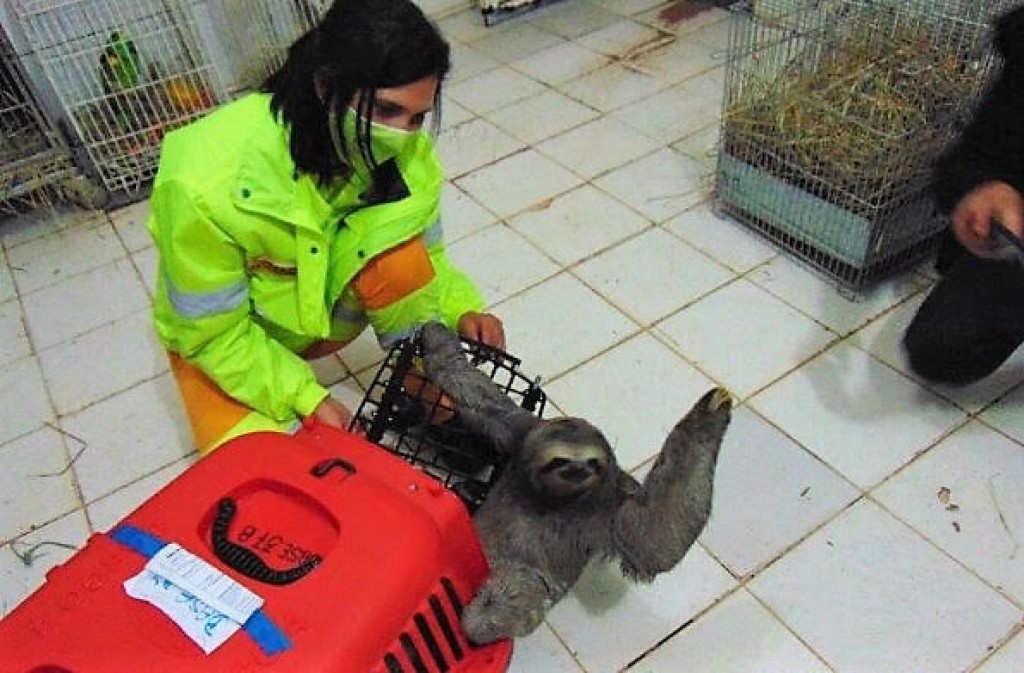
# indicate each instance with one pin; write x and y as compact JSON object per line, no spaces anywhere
{"x":974,"y":213}
{"x":483,"y":327}
{"x":332,"y":412}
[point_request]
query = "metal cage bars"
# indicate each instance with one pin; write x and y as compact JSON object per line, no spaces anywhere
{"x":811,"y":156}
{"x":123,"y":73}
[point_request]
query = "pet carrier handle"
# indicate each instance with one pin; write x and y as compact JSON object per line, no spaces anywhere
{"x":321,"y":469}
{"x":246,"y":561}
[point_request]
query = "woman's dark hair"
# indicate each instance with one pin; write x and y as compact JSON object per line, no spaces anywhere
{"x":359,"y":46}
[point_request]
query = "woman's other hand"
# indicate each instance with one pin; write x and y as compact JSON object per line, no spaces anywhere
{"x":974,"y":213}
{"x":483,"y":327}
{"x":332,"y":412}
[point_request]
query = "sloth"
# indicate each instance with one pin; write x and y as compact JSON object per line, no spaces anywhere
{"x":562,"y":500}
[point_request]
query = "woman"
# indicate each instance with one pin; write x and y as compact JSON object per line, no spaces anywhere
{"x":973,"y":319}
{"x":290,"y":219}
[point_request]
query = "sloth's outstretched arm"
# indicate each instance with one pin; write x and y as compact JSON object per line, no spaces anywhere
{"x":654,"y":529}
{"x":480,"y":403}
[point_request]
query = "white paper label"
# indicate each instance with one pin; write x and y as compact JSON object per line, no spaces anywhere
{"x":205,"y":603}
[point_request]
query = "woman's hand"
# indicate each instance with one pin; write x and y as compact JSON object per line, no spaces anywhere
{"x":483,"y":327}
{"x":974,"y":213}
{"x":332,"y":412}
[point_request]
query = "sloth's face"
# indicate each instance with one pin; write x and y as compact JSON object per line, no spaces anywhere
{"x":566,"y":460}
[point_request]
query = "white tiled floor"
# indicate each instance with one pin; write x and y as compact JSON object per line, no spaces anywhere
{"x":579,"y":200}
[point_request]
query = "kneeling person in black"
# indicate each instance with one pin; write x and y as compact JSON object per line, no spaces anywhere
{"x":973,"y":319}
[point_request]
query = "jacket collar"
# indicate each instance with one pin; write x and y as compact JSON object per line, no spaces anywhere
{"x":268,"y":183}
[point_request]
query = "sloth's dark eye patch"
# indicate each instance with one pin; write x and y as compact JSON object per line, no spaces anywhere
{"x":556,"y":464}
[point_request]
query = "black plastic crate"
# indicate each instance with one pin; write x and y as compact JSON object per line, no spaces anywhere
{"x":404,"y":413}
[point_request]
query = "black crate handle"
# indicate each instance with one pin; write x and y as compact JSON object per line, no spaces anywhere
{"x":245,"y":561}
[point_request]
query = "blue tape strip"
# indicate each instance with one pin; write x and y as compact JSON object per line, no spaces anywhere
{"x":270,"y":638}
{"x":139,"y":540}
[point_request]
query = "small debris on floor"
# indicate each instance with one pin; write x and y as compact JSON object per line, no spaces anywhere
{"x":29,"y":556}
{"x":945,"y":497}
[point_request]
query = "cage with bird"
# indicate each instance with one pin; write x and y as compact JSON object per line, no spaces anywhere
{"x":123,"y":73}
{"x":833,"y":113}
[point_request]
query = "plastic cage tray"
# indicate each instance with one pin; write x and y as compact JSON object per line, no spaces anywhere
{"x":403,"y":412}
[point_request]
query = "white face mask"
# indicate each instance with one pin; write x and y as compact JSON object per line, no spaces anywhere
{"x":386,"y":142}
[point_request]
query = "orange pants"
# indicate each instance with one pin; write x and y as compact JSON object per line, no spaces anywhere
{"x":212,"y":413}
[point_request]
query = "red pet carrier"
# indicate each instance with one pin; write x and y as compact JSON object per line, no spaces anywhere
{"x":362,"y":563}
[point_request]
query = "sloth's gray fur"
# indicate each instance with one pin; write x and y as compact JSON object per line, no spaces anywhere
{"x":562,"y":500}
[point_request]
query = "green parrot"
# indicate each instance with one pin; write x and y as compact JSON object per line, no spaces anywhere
{"x":119,"y":63}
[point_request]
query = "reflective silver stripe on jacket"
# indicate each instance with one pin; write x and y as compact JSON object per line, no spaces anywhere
{"x":433,"y":234}
{"x":203,"y":304}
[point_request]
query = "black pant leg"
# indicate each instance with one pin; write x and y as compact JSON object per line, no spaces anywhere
{"x":949,"y":251}
{"x":970,"y":323}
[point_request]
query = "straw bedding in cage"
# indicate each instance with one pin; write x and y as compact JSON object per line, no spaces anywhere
{"x":857,"y":115}
{"x":834,"y":115}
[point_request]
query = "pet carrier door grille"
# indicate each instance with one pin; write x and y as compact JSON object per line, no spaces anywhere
{"x":833,"y":114}
{"x":433,"y":640}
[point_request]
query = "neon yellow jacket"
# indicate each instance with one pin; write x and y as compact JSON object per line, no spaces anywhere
{"x":255,"y":265}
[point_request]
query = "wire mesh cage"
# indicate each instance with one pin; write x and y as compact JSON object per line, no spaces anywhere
{"x":35,"y":162}
{"x":247,"y":40}
{"x":405,"y":413}
{"x":834,"y":112}
{"x":125,"y":72}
